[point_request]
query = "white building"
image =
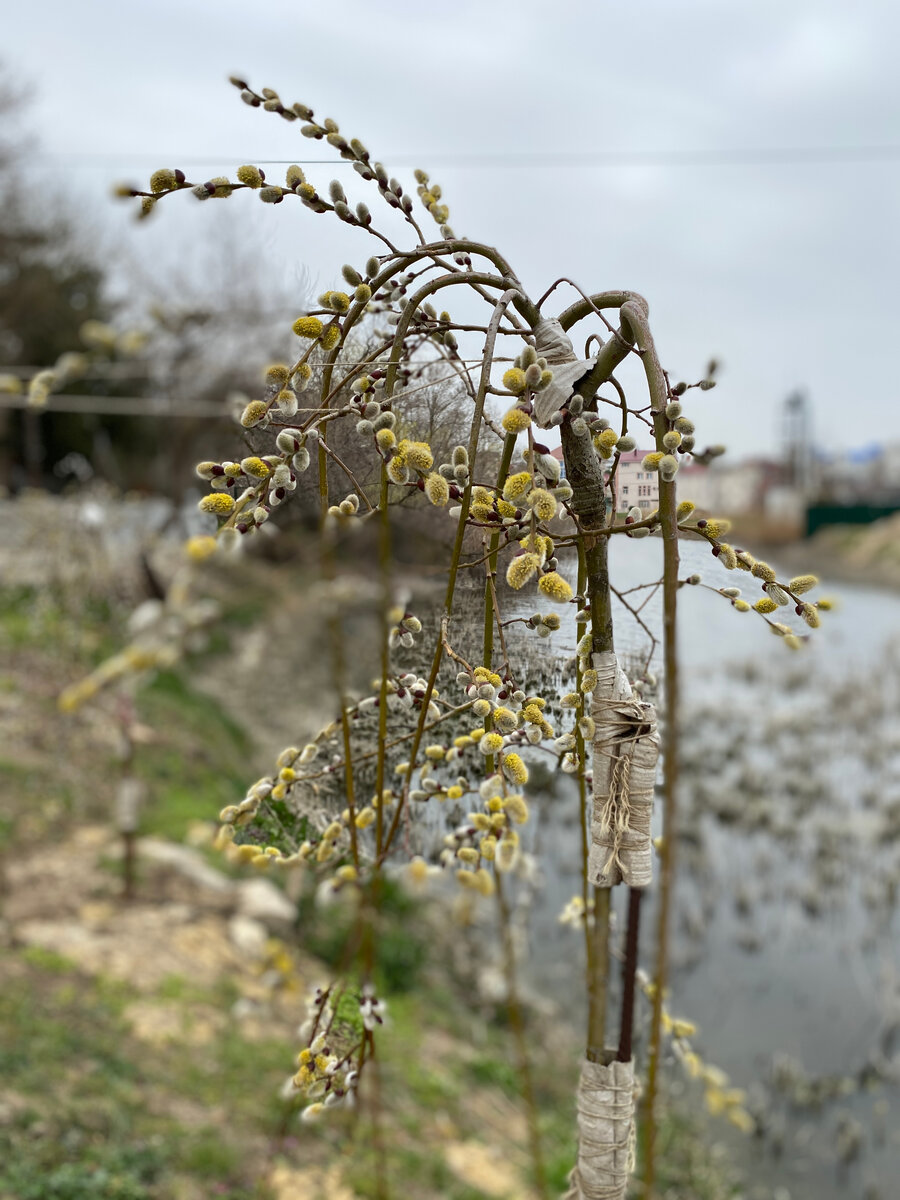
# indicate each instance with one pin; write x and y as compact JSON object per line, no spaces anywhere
{"x":635,"y":487}
{"x":728,"y":489}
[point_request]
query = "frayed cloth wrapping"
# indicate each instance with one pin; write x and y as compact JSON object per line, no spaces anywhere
{"x":606,"y":1136}
{"x":626,"y":750}
{"x":553,"y":343}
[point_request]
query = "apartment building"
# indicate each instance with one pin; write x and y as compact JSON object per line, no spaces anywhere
{"x":634,"y":487}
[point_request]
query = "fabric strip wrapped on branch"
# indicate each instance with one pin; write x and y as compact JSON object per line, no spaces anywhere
{"x":606,"y":1135}
{"x":553,"y":343}
{"x":626,"y":750}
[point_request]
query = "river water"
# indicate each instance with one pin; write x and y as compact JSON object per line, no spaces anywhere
{"x":785,"y":949}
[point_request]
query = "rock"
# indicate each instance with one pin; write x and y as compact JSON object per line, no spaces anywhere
{"x":245,"y":1009}
{"x":142,"y":946}
{"x":308,"y":1183}
{"x":166,"y":1022}
{"x":97,"y":912}
{"x":483,"y":1168}
{"x":187,"y":862}
{"x":264,"y":902}
{"x":248,"y":936}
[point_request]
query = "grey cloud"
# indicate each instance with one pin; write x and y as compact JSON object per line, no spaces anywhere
{"x":784,"y":271}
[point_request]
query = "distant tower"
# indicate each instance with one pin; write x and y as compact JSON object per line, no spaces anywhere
{"x":796,"y":440}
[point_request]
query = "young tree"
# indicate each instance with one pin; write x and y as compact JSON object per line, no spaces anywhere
{"x":343,"y":807}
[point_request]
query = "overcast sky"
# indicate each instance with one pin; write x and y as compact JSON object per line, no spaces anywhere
{"x":783,"y":266}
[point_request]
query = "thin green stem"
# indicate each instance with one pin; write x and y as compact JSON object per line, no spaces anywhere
{"x":517,"y":1023}
{"x":493,"y":550}
{"x":429,"y":289}
{"x":580,"y":630}
{"x":384,"y":567}
{"x":636,"y":318}
{"x":588,"y":502}
{"x":499,"y":309}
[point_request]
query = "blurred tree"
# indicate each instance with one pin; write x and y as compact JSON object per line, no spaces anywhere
{"x":53,"y":280}
{"x":48,"y":288}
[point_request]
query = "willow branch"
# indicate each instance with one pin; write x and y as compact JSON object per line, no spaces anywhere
{"x":636,"y":319}
{"x":499,"y":309}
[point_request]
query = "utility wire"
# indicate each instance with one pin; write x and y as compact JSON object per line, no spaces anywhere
{"x":723,"y":157}
{"x":120,"y":406}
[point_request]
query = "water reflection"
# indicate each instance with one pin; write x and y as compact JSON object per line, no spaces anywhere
{"x":785,"y":950}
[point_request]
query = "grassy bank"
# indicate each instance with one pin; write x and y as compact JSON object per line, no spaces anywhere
{"x":128,"y":1082}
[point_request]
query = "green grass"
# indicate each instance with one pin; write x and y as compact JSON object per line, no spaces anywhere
{"x":88,"y":1110}
{"x":200,"y":762}
{"x":421,"y":1172}
{"x":84,"y":627}
{"x":114,"y":1174}
{"x":200,"y":766}
{"x":81,"y":1123}
{"x":84,"y":1125}
{"x":487,"y":1071}
{"x":24,"y":793}
{"x":99,"y":1113}
{"x":48,"y":960}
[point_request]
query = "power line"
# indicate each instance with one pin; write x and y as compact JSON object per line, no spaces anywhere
{"x":120,"y":406}
{"x":512,"y":160}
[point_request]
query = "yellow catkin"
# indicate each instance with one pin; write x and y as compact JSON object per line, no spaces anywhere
{"x":417,"y":455}
{"x":553,"y":585}
{"x":308,"y":327}
{"x":543,"y":503}
{"x":521,"y":569}
{"x":717,"y":528}
{"x":516,"y":809}
{"x":255,"y":467}
{"x":251,"y":176}
{"x":437,"y":489}
{"x":763,"y":571}
{"x":517,"y":485}
{"x":490,"y":743}
{"x":199,"y":548}
{"x":484,"y":882}
{"x":515,"y":420}
{"x":219,"y":503}
{"x":515,"y":769}
{"x":163,"y":180}
{"x":803,"y":583}
{"x":254,"y":413}
{"x":514,"y":380}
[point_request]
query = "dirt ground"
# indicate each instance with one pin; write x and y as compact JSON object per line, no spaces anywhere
{"x":197,"y":962}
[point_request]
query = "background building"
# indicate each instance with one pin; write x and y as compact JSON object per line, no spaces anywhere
{"x":634,"y":486}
